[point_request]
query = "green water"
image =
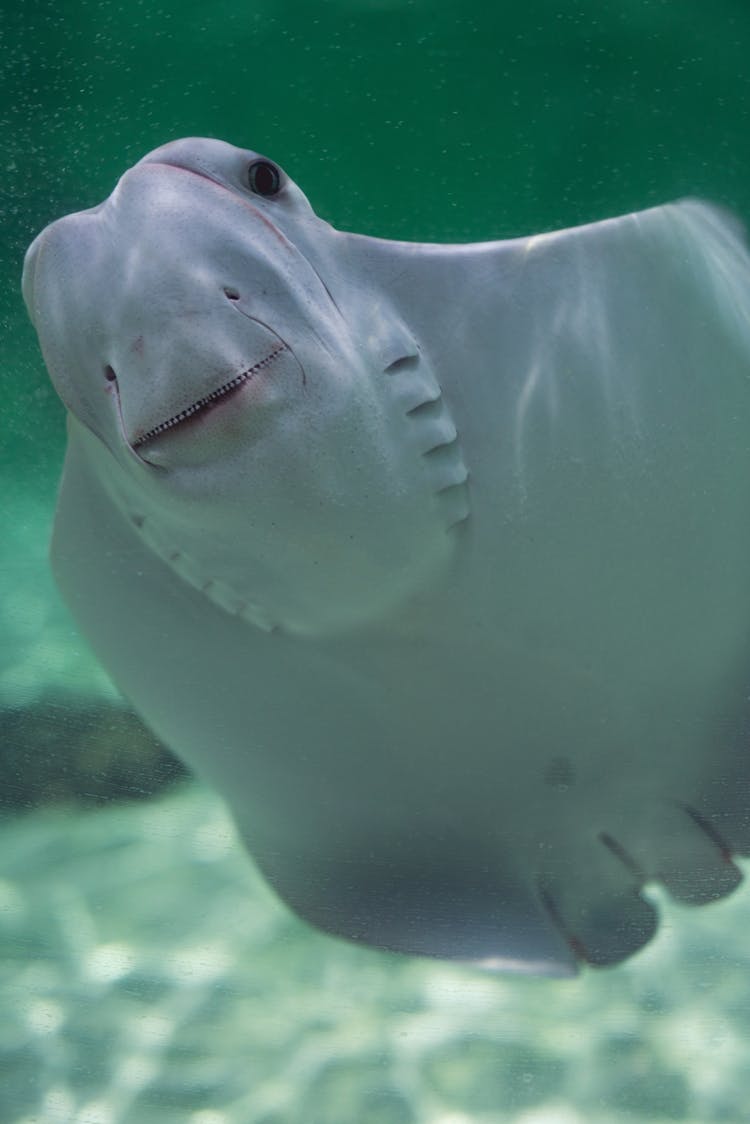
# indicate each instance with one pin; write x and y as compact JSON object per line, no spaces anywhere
{"x":144,"y":973}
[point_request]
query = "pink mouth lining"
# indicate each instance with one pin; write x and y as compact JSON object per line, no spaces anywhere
{"x":210,"y":399}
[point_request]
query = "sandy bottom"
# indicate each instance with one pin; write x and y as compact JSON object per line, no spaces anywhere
{"x":148,"y":976}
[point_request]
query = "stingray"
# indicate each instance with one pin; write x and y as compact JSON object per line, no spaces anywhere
{"x":434,"y":560}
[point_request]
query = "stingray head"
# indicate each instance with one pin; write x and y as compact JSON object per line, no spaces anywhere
{"x":190,"y":329}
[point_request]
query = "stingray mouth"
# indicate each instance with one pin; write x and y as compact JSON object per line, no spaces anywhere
{"x":203,"y":405}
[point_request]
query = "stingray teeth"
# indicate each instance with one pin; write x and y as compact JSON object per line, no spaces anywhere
{"x":183,"y":415}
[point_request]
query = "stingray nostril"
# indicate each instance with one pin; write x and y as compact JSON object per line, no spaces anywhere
{"x":109,"y":374}
{"x":404,"y":363}
{"x":231,"y":293}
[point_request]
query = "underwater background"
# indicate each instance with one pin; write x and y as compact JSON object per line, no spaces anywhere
{"x":146,"y":972}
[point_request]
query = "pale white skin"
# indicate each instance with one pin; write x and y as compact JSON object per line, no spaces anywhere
{"x":448,"y":597}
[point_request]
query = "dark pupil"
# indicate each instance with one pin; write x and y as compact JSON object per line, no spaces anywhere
{"x":264,"y":179}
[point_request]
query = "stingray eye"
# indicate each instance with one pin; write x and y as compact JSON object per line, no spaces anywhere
{"x":264,"y":178}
